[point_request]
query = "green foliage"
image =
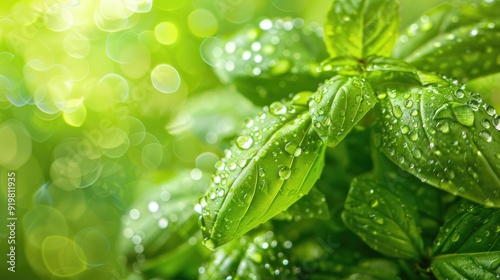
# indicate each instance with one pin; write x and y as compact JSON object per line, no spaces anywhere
{"x":362,"y":166}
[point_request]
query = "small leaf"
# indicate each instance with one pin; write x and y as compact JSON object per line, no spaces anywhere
{"x":338,"y":105}
{"x":456,"y":41}
{"x":257,"y":256}
{"x":158,"y":221}
{"x":275,"y":160}
{"x":445,"y":136}
{"x":484,"y":265}
{"x":386,"y":221}
{"x":361,"y":28}
{"x":311,"y":206}
{"x":269,"y":60}
{"x":473,"y":229}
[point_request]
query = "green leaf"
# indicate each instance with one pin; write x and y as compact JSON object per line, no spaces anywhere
{"x":311,"y":206}
{"x":386,"y":221}
{"x":455,"y":41}
{"x":484,"y":265}
{"x":361,"y":28}
{"x":473,"y":229}
{"x":268,"y":61}
{"x":159,"y":220}
{"x":275,"y":160}
{"x":338,"y":105}
{"x":445,"y":136}
{"x":257,"y":256}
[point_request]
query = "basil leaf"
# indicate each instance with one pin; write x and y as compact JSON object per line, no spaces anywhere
{"x":362,"y":27}
{"x":386,"y":221}
{"x":311,"y":206}
{"x":445,"y":136}
{"x":157,"y":221}
{"x":455,"y":41}
{"x":484,"y":265}
{"x":258,"y":256}
{"x":269,"y":60}
{"x":338,"y":105}
{"x":275,"y":160}
{"x":473,"y":229}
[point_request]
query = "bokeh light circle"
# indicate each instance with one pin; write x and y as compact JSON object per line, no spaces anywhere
{"x":166,"y":78}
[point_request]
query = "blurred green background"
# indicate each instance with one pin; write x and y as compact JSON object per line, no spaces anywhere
{"x":101,"y":101}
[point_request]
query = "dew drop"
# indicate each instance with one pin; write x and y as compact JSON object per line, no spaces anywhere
{"x":249,"y":123}
{"x":405,"y":129}
{"x":459,"y":93}
{"x":496,"y":122}
{"x":413,"y":136}
{"x":485,"y":123}
{"x":284,"y":173}
{"x":408,"y":103}
{"x":417,"y":153}
{"x":277,"y":108}
{"x":397,"y":112}
{"x":485,"y":135}
{"x":376,"y":219}
{"x":244,"y":142}
{"x":455,"y":237}
{"x":293,"y":149}
{"x":443,"y":126}
{"x":374,"y":202}
{"x":478,"y":239}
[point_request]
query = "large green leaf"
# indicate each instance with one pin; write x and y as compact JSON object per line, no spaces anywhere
{"x":473,"y":229}
{"x":385,"y":220}
{"x":275,"y":160}
{"x":360,"y":28}
{"x":471,"y":266}
{"x":257,"y":256}
{"x":456,"y":41}
{"x":268,"y":61}
{"x":338,"y":105}
{"x":157,"y":222}
{"x":445,"y":136}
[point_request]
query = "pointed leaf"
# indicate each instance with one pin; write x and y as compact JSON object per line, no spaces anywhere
{"x":362,"y":27}
{"x":269,"y":60}
{"x":338,"y":105}
{"x":473,"y":229}
{"x":311,"y":206}
{"x":258,"y":256}
{"x":274,"y":161}
{"x":445,"y":136}
{"x":386,"y":221}
{"x":456,"y":41}
{"x":485,"y":265}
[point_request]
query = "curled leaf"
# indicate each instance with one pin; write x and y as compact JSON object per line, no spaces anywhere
{"x":338,"y":105}
{"x":275,"y":160}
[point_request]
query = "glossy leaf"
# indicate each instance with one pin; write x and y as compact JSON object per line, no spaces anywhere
{"x":157,"y":221}
{"x":473,"y":229}
{"x":257,"y":256}
{"x":268,"y":61}
{"x":455,"y":41}
{"x":274,"y":161}
{"x":484,"y":265}
{"x":445,"y":136}
{"x":386,"y":221}
{"x":311,"y":206}
{"x":362,"y":27}
{"x":338,"y":105}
